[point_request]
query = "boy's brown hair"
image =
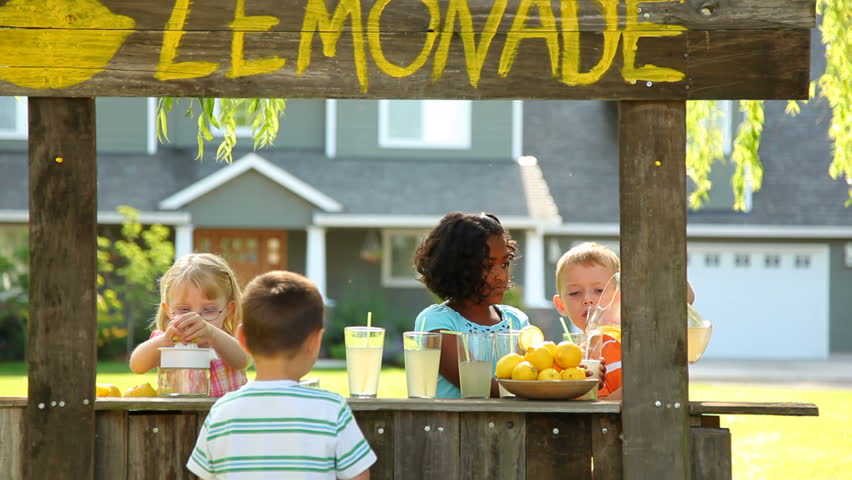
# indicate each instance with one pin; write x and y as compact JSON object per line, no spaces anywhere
{"x":280,"y":310}
{"x":588,"y":253}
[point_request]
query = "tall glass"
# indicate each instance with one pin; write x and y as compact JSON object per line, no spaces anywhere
{"x":505,"y":342}
{"x":422,"y":358}
{"x":476,"y":361}
{"x":364,"y":347}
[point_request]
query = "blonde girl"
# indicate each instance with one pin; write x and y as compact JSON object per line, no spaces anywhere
{"x":199,"y":302}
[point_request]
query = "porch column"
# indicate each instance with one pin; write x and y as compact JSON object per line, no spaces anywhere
{"x":183,"y":240}
{"x":534,"y":270}
{"x":315,"y":263}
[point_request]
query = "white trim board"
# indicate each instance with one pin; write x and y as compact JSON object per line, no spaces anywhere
{"x":413,"y":221}
{"x":109,"y":218}
{"x":714,"y":231}
{"x":251,"y":161}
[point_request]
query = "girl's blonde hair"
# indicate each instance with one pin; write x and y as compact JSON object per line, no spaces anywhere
{"x":588,"y":253}
{"x":212,"y":275}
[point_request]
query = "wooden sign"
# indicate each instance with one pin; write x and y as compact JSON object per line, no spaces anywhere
{"x":477,"y":49}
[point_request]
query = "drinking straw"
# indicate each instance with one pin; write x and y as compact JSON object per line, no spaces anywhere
{"x":565,"y":327}
{"x":464,"y":342}
{"x":422,"y":323}
{"x":369,"y":319}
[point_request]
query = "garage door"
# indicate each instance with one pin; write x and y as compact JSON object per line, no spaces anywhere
{"x":766,"y":301}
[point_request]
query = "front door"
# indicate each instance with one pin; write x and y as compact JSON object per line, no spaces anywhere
{"x":248,"y":252}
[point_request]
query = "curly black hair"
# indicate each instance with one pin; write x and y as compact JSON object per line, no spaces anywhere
{"x":451,"y":260}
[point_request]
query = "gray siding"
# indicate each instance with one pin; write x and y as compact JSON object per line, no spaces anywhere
{"x":122,"y":125}
{"x":251,"y":201}
{"x":491,"y":133}
{"x":840,"y":302}
{"x":297,"y":248}
{"x":301,"y":128}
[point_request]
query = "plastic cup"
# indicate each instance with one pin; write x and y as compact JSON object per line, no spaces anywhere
{"x":422,"y":358}
{"x":505,"y":342}
{"x":593,"y":366}
{"x":476,"y":364}
{"x":364,"y":346}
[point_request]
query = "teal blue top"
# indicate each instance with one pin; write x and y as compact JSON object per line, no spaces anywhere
{"x":442,"y":317}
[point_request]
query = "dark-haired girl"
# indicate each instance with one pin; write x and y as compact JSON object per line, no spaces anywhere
{"x":465,"y":261}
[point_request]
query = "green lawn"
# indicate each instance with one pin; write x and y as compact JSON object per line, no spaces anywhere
{"x":765,"y":447}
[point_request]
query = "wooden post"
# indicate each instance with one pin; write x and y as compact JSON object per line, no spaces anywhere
{"x":60,"y":416}
{"x":655,"y":419}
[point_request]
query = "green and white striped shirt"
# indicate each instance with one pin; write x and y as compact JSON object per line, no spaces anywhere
{"x":279,"y":429}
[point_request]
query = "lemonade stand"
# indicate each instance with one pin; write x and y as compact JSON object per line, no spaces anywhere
{"x":651,"y":56}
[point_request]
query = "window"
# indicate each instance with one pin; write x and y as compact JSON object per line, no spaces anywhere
{"x":773,"y":261}
{"x":711,"y":260}
{"x":13,"y":118}
{"x":424,"y":124}
{"x":742,"y":260}
{"x":242,"y":121}
{"x":803,"y":261}
{"x":398,"y":248}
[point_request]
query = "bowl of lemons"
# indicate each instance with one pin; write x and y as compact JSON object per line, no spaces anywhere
{"x":545,"y":371}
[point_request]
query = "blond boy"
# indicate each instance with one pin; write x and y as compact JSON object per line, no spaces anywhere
{"x":581,"y":275}
{"x":273,"y":427}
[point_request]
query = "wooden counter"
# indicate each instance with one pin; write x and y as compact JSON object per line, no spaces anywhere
{"x":510,"y":439}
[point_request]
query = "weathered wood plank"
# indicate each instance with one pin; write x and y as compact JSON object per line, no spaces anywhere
{"x":429,"y":445}
{"x":111,"y":446}
{"x":12,"y":445}
{"x":655,"y":420}
{"x":493,"y":446}
{"x":713,"y":56}
{"x":690,"y":65}
{"x":160,"y":443}
{"x":711,"y":453}
{"x":753,"y":408}
{"x":401,"y":16}
{"x":606,"y":447}
{"x":62,"y":331}
{"x":558,"y":447}
{"x":378,"y":429}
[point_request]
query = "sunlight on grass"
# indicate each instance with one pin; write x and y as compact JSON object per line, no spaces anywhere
{"x":764,"y":447}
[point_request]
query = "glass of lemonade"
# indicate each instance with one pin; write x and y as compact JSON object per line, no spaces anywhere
{"x":364,"y":347}
{"x":476,"y":362}
{"x":422,"y":357}
{"x":505,"y":342}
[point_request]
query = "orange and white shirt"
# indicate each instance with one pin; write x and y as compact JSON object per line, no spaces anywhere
{"x":611,"y":359}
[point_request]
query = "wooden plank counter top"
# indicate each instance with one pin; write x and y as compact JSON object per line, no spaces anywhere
{"x":458,"y":405}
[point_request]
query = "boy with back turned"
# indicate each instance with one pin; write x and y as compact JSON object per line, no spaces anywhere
{"x":272,"y":427}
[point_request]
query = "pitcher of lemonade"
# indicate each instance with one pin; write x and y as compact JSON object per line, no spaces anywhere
{"x":604,"y":318}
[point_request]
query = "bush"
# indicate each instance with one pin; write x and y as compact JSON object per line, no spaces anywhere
{"x":352,"y":310}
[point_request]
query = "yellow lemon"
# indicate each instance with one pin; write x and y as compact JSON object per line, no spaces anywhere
{"x":613,"y":331}
{"x":144,"y":390}
{"x":550,"y":346}
{"x":113,"y":390}
{"x":524,"y":371}
{"x":529,"y":336}
{"x":540,"y":357}
{"x":506,"y":364}
{"x":575,"y":373}
{"x":568,"y":355}
{"x":102,"y":390}
{"x":549,"y":374}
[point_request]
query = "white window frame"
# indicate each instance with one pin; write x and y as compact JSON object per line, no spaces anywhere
{"x":388,"y":280}
{"x":239,"y":131}
{"x":387,"y":141}
{"x":21,"y":125}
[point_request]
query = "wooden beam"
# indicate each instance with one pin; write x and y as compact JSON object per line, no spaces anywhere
{"x":400,"y":16}
{"x":60,"y":415}
{"x":653,"y":50}
{"x":655,"y":418}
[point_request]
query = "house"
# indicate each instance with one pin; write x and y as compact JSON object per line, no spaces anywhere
{"x":352,"y":186}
